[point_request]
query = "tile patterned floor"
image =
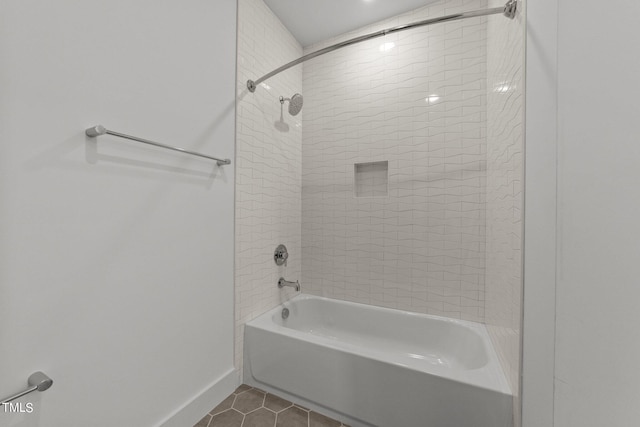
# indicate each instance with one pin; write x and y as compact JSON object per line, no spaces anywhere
{"x":252,"y":407}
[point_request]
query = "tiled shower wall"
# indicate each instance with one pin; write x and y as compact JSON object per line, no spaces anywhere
{"x":505,"y":151}
{"x":413,"y":236}
{"x":410,"y":178}
{"x":268,"y":169}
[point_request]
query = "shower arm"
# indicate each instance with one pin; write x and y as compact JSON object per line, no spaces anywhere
{"x":508,"y":10}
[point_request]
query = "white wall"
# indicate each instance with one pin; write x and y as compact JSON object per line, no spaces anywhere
{"x":269,"y":161}
{"x":598,"y":341}
{"x":538,"y":331}
{"x":594,"y":381}
{"x":421,"y":247}
{"x":116,"y":259}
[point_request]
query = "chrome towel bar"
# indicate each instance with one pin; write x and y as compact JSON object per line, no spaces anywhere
{"x":37,"y":381}
{"x":101,"y":130}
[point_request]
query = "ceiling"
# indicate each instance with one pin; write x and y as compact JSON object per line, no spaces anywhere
{"x":311,"y":21}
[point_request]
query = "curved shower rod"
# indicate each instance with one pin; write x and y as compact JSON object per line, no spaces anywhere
{"x":508,"y":10}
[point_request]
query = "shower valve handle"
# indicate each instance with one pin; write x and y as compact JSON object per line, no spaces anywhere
{"x":281,"y":255}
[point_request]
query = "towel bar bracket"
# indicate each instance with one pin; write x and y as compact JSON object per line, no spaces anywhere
{"x":37,"y":381}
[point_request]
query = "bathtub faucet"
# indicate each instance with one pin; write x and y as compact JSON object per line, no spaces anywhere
{"x":282,"y":283}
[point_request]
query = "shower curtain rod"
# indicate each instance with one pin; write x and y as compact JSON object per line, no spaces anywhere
{"x":508,"y":10}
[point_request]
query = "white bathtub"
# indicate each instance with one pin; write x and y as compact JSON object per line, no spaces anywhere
{"x":371,"y":366}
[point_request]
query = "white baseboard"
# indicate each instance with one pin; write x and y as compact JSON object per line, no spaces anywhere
{"x":199,"y":406}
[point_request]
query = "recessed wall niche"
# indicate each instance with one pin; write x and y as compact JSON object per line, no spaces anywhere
{"x":371,"y":179}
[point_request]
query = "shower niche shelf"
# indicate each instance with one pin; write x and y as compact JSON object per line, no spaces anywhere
{"x":371,"y":179}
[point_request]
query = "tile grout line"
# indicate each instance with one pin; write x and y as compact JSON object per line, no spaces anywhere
{"x":275,"y":419}
{"x":244,"y":416}
{"x":262,"y":406}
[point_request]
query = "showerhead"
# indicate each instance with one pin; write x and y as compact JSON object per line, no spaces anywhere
{"x":295,"y":103}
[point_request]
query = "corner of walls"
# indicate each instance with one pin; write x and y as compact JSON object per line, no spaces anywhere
{"x":268,"y":166}
{"x":505,"y":174}
{"x":191,"y":412}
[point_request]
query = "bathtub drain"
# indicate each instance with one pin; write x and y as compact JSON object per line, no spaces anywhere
{"x":285,"y":313}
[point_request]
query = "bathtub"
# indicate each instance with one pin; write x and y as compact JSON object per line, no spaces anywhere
{"x":371,"y":366}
